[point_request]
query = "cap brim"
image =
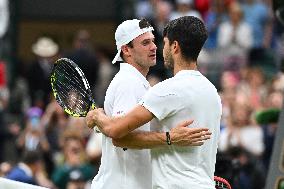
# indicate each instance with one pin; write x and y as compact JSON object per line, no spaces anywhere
{"x":117,"y":57}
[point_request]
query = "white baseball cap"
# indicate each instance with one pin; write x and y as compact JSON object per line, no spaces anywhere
{"x":126,"y":32}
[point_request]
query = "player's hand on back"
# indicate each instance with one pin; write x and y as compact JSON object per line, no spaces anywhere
{"x":182,"y":135}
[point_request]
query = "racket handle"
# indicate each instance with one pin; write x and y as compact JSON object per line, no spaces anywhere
{"x":93,"y":106}
{"x":97,"y":129}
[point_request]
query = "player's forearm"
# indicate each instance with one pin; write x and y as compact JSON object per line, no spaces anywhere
{"x":114,"y":127}
{"x":180,"y":136}
{"x":141,"y":140}
{"x":118,"y":127}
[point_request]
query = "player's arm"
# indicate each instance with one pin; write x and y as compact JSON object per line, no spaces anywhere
{"x":180,"y":135}
{"x":118,"y":127}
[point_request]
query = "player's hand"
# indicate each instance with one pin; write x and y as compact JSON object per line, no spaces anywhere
{"x":94,"y":116}
{"x":186,"y":136}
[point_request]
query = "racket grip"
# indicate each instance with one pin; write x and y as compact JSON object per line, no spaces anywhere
{"x":93,"y":106}
{"x":97,"y":129}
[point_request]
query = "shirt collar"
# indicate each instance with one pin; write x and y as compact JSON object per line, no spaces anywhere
{"x":125,"y":67}
{"x":188,"y":72}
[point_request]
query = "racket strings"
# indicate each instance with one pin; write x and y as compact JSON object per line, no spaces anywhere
{"x":74,"y":100}
{"x":72,"y":90}
{"x":76,"y":81}
{"x":69,"y":71}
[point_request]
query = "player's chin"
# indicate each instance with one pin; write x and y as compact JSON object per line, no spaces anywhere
{"x":152,"y":61}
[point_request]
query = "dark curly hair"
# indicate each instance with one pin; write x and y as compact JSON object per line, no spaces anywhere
{"x":190,"y":33}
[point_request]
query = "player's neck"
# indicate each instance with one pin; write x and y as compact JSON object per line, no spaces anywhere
{"x":184,"y":65}
{"x":142,"y":69}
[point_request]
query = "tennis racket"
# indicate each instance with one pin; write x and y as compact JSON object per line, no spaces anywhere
{"x":71,"y":88}
{"x":221,"y":183}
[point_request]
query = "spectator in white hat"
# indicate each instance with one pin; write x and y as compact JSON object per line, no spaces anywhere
{"x":46,"y":51}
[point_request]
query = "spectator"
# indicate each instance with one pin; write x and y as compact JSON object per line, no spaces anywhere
{"x":162,"y":14}
{"x":229,"y":83}
{"x":235,"y":36}
{"x":54,"y":122}
{"x":247,"y":171}
{"x":105,"y":74}
{"x":184,"y":8}
{"x":274,"y":99}
{"x":27,"y":169}
{"x":278,"y":82}
{"x":216,"y":15}
{"x":257,"y":16}
{"x":5,"y":168}
{"x":163,"y":10}
{"x":241,"y":132}
{"x":76,"y":180}
{"x":46,"y":51}
{"x":254,"y":88}
{"x":74,"y":156}
{"x":146,"y":9}
{"x":33,"y":136}
{"x":83,"y":55}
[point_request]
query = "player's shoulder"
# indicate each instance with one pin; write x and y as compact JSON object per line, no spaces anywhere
{"x":168,"y":83}
{"x":122,"y":82}
{"x":164,"y":88}
{"x":125,"y":78}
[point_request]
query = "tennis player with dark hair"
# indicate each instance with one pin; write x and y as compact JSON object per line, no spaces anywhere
{"x":187,"y":95}
{"x":129,"y":169}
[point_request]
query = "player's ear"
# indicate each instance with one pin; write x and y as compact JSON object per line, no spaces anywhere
{"x":175,"y":47}
{"x":125,"y":50}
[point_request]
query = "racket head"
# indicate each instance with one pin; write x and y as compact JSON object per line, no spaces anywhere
{"x":221,"y":183}
{"x":71,"y":88}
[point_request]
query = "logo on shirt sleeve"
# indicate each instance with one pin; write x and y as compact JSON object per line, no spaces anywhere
{"x":119,"y":112}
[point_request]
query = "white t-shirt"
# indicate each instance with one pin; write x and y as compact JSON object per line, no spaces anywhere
{"x":186,"y":95}
{"x":130,"y":169}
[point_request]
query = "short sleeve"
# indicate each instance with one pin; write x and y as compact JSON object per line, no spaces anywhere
{"x":126,"y":97}
{"x":160,"y":102}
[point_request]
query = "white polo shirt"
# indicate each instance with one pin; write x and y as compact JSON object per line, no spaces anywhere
{"x":186,"y":95}
{"x":130,"y":169}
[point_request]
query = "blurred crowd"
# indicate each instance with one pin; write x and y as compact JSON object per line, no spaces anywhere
{"x":243,"y":57}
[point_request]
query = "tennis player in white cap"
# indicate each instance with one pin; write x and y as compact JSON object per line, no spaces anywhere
{"x":131,"y":169}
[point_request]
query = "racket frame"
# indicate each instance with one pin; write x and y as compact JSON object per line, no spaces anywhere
{"x":91,"y":103}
